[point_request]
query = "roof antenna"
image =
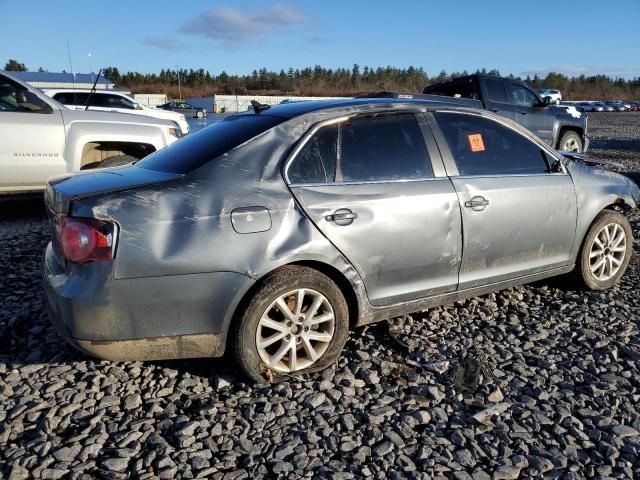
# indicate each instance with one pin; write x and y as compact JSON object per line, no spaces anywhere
{"x":259,"y":107}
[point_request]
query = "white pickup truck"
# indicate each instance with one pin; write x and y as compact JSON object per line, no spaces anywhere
{"x":111,"y":101}
{"x":40,"y":137}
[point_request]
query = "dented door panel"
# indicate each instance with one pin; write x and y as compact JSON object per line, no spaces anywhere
{"x":404,"y":239}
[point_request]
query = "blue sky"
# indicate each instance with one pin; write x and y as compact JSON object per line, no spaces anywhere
{"x":571,"y":36}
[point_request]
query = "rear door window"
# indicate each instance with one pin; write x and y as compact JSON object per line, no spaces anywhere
{"x":72,"y":98}
{"x":481,"y":146}
{"x":198,"y":148}
{"x":364,"y":149}
{"x":495,"y":90}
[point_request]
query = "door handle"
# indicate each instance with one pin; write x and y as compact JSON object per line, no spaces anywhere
{"x":522,"y":113}
{"x":342,"y":217}
{"x":477,"y":203}
{"x":494,"y":110}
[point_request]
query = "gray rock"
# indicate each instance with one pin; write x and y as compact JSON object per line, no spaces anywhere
{"x":506,"y":472}
{"x":314,"y":400}
{"x":132,"y":401}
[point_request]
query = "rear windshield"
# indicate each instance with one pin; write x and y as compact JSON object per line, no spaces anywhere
{"x":200,"y":147}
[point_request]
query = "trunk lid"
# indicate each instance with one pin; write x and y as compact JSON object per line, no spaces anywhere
{"x":62,"y":190}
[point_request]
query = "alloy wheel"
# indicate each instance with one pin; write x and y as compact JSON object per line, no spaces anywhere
{"x":295,"y":330}
{"x":607,"y":252}
{"x":571,"y":145}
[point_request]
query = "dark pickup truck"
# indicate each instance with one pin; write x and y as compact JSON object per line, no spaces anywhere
{"x":562,"y":127}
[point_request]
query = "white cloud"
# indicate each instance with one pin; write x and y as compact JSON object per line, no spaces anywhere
{"x":232,"y":27}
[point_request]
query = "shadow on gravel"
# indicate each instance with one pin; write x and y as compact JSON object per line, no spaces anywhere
{"x":617,"y":144}
{"x":21,"y":206}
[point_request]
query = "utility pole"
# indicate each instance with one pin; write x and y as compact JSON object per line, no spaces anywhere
{"x":179,"y":88}
{"x":90,"y":66}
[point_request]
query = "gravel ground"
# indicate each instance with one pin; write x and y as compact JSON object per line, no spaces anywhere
{"x":536,"y":381}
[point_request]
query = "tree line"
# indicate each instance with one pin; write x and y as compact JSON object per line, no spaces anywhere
{"x":357,"y":80}
{"x":352,"y":81}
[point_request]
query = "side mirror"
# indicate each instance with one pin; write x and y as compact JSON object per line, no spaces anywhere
{"x":138,"y":106}
{"x":556,"y":166}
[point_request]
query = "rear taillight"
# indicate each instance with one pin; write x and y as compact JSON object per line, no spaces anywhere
{"x":85,"y":239}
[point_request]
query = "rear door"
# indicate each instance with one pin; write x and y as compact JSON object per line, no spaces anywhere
{"x":530,"y":113}
{"x":375,"y":187}
{"x":32,"y":139}
{"x":495,"y":97}
{"x":518,"y":218}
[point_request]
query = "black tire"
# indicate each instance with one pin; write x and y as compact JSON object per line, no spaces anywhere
{"x":200,"y":114}
{"x":583,"y":271}
{"x":115,"y":161}
{"x":571,"y":142}
{"x":243,"y":332}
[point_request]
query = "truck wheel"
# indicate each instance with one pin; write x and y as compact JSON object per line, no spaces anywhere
{"x":297,"y":321}
{"x":570,"y":142}
{"x":605,"y":251}
{"x":114,"y":161}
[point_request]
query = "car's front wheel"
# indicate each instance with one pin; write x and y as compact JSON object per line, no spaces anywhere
{"x":570,"y":142}
{"x":296,"y":321}
{"x":200,"y":114}
{"x":606,"y":251}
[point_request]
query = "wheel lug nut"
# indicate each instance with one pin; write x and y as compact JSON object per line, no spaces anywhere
{"x":289,"y":324}
{"x":306,"y":329}
{"x":288,"y":337}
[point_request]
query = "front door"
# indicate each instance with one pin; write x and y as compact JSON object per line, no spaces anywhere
{"x":531,"y":113}
{"x":368,"y":184}
{"x":32,"y":139}
{"x":518,"y":218}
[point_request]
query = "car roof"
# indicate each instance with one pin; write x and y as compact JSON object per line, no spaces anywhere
{"x":295,"y":109}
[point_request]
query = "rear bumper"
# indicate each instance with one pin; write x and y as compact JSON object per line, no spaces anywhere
{"x":176,"y":316}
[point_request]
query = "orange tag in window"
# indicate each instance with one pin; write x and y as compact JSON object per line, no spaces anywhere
{"x":475,"y":142}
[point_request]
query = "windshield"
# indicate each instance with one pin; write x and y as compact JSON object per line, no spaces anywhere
{"x":199,"y":148}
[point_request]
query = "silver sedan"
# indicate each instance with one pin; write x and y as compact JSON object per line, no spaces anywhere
{"x":272,"y":233}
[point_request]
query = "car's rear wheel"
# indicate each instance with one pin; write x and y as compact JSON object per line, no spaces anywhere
{"x":296,"y":321}
{"x":606,"y":251}
{"x":570,"y":142}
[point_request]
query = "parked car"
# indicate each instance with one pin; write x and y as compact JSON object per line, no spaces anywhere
{"x":111,"y":101}
{"x":273,"y":240}
{"x":40,"y":137}
{"x":554,"y":95}
{"x":184,"y":108}
{"x":561,"y":127}
{"x":585,"y":107}
{"x":615,"y":106}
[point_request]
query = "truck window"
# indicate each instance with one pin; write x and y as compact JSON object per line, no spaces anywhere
{"x":71,"y":98}
{"x":15,"y":98}
{"x":495,"y":90}
{"x":459,"y":89}
{"x":521,"y":95}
